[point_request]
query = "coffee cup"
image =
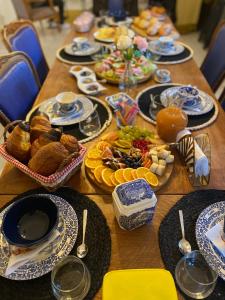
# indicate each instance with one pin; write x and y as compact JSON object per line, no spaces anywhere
{"x":81,"y":43}
{"x":66,"y":101}
{"x":166,"y":43}
{"x":188,"y":94}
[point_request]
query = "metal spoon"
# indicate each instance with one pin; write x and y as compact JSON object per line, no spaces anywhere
{"x":183,"y":244}
{"x":82,"y":250}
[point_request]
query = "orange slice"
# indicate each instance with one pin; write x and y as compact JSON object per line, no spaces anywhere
{"x":106,"y":174}
{"x":103,"y":145}
{"x":119,"y":176}
{"x":110,"y":136}
{"x":141,"y":172}
{"x":98,"y":173}
{"x":134,"y":174}
{"x":93,"y":163}
{"x":113,"y":179}
{"x":94,"y":153}
{"x":152,"y":179}
{"x":127,"y":174}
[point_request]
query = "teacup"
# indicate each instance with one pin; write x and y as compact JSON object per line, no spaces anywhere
{"x":81,"y":43}
{"x":66,"y":101}
{"x":188,"y":95}
{"x":166,"y":43}
{"x":162,"y":75}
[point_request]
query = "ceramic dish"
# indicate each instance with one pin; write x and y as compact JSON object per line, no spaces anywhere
{"x":154,"y":47}
{"x":83,"y":108}
{"x":110,"y":39}
{"x":69,"y":49}
{"x":209,"y":217}
{"x":49,"y":256}
{"x":203,"y":105}
{"x":92,"y":88}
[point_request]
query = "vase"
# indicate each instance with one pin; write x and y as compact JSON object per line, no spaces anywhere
{"x":128,"y":81}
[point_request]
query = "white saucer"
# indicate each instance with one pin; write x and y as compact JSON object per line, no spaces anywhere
{"x":154,"y":47}
{"x":94,"y":47}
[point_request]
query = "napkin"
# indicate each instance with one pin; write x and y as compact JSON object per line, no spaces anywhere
{"x":16,"y":261}
{"x":214,"y":235}
{"x":201,"y":161}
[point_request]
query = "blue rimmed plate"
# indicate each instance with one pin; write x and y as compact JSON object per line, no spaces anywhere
{"x":155,"y":48}
{"x":209,"y":217}
{"x":49,"y":256}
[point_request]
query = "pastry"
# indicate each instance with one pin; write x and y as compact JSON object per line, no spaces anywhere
{"x":39,"y":125}
{"x":143,"y":24}
{"x":49,"y":158}
{"x":18,"y":142}
{"x":146,"y":14}
{"x":136,"y":21}
{"x":70,"y":143}
{"x":39,"y":119}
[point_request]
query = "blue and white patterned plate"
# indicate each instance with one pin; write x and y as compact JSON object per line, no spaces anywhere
{"x":155,"y":48}
{"x":48,"y":257}
{"x":209,"y":217}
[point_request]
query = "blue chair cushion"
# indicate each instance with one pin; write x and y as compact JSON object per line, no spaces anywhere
{"x":18,"y":90}
{"x":27,"y":41}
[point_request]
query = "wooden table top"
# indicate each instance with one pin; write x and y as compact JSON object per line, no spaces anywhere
{"x":139,"y":248}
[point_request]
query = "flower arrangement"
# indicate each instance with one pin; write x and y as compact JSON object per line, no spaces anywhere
{"x":131,"y":47}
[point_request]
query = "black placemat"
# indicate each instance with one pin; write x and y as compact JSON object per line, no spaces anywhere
{"x":193,"y":121}
{"x":98,"y":258}
{"x":74,"y":129}
{"x":183,"y":56}
{"x":170,"y":233}
{"x":74,"y":58}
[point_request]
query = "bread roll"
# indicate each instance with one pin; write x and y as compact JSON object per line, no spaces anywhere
{"x":70,"y":143}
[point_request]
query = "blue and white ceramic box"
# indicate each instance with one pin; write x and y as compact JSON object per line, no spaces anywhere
{"x":134,"y":204}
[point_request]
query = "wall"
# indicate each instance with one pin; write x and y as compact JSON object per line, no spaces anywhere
{"x":7,"y":12}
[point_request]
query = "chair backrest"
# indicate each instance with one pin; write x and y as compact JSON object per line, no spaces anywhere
{"x":22,"y":36}
{"x":19,"y":85}
{"x":213,"y":67}
{"x":21,"y":9}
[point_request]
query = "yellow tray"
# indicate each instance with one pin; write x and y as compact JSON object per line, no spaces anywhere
{"x":139,"y":284}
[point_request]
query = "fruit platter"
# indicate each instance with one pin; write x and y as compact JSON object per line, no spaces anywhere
{"x":113,"y":67}
{"x":129,"y":154}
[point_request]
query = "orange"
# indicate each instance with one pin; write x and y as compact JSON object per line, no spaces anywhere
{"x":110,"y":136}
{"x":113,"y":179}
{"x":151,"y":178}
{"x":119,"y":176}
{"x":93,"y":163}
{"x":103,"y":145}
{"x":94,"y":153}
{"x":141,"y":172}
{"x":127,"y":174}
{"x":98,"y":173}
{"x":134,"y":174}
{"x":106,"y":174}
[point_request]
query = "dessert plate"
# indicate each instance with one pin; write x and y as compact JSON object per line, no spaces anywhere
{"x":154,"y":47}
{"x":202,"y":105}
{"x":93,"y":48}
{"x":209,"y":217}
{"x":49,"y":256}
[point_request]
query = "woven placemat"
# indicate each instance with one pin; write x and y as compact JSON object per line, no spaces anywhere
{"x":170,"y":233}
{"x":105,"y":116}
{"x":98,"y":258}
{"x":194,"y":122}
{"x":175,"y":59}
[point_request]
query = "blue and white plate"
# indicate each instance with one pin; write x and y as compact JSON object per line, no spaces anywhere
{"x":93,"y":48}
{"x":209,"y":217}
{"x":49,"y":256}
{"x":197,"y":107}
{"x":155,"y":48}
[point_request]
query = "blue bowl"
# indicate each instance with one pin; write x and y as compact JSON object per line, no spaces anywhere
{"x":30,"y":221}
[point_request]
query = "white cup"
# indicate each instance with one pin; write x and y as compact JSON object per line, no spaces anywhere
{"x":66,"y":100}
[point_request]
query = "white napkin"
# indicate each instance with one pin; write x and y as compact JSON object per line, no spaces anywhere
{"x":214,"y":235}
{"x":16,"y":261}
{"x":201,"y":161}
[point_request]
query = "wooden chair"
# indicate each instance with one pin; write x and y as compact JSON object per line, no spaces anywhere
{"x":24,"y":10}
{"x":22,"y":36}
{"x":19,"y":86}
{"x":213,"y":66}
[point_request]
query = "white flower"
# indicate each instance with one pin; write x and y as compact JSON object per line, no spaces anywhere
{"x":124,"y":42}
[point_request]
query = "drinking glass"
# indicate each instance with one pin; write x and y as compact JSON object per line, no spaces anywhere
{"x":91,"y":125}
{"x":194,"y":277}
{"x":70,"y":279}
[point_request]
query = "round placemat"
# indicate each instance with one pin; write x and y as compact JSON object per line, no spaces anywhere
{"x":194,"y":122}
{"x":97,"y":260}
{"x":105,"y":116}
{"x":170,"y":233}
{"x":175,"y":59}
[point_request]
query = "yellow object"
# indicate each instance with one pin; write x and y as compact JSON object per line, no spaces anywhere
{"x":93,"y":163}
{"x":134,"y":173}
{"x":103,"y":145}
{"x":140,"y":284}
{"x":113,"y":179}
{"x":122,"y":143}
{"x":119,"y":176}
{"x":141,"y":172}
{"x":127,"y":174}
{"x":94,"y":153}
{"x":151,"y":178}
{"x":98,"y":173}
{"x":106,"y":174}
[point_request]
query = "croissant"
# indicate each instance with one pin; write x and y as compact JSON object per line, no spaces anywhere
{"x":39,"y":119}
{"x":39,"y":125}
{"x":18,"y":143}
{"x":52,"y":135}
{"x":49,"y":158}
{"x":70,"y":143}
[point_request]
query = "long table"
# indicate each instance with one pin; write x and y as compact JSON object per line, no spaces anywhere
{"x":139,"y":248}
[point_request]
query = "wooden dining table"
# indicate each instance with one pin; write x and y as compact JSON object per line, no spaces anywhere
{"x":138,"y":248}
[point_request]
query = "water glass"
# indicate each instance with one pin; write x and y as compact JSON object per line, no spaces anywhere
{"x":194,"y":277}
{"x":91,"y":125}
{"x":70,"y":279}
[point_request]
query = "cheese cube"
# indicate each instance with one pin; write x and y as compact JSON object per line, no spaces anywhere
{"x":163,"y":154}
{"x":153,"y":167}
{"x":160,"y":170}
{"x":162,"y":162}
{"x":170,"y":158}
{"x":154,"y":159}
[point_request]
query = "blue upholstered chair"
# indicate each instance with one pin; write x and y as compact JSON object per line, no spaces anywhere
{"x":22,"y":36}
{"x":19,"y":86}
{"x":213,"y":66}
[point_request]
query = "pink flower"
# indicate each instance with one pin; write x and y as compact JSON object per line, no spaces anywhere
{"x":141,"y":43}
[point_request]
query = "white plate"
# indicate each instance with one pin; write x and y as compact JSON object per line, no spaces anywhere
{"x":209,"y":217}
{"x":110,"y":21}
{"x":48,"y":257}
{"x":155,"y":48}
{"x":94,"y":47}
{"x":111,"y":40}
{"x":206,"y":102}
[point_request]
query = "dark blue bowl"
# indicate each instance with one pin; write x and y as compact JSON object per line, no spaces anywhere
{"x":30,"y":221}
